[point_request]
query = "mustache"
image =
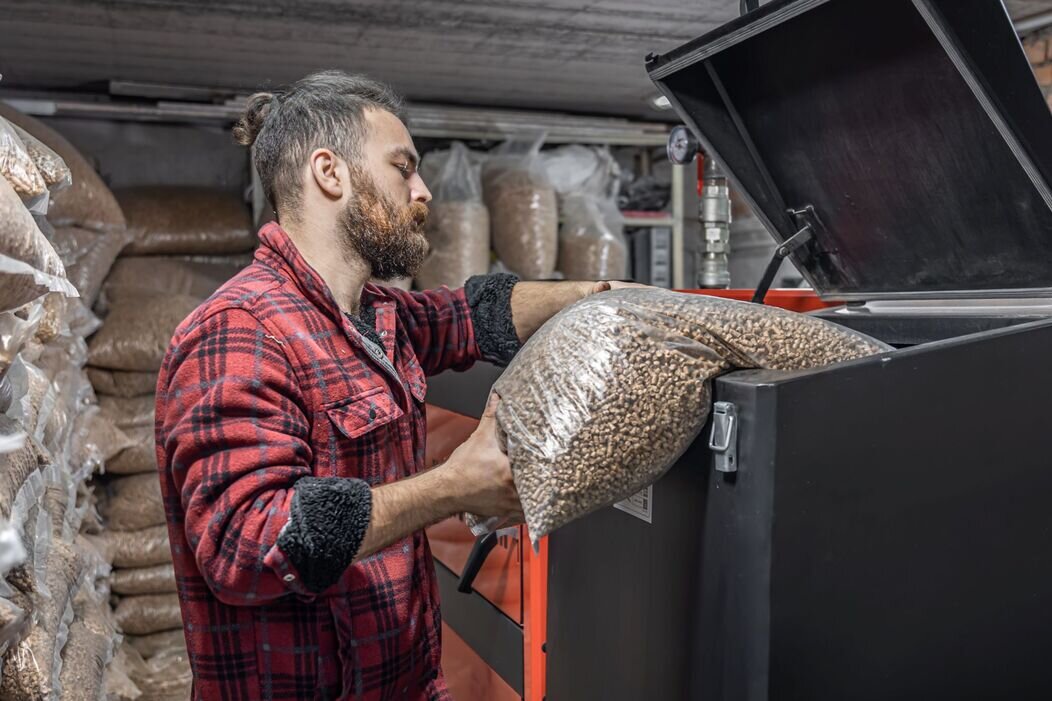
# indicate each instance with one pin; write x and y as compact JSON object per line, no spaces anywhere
{"x":418,"y":213}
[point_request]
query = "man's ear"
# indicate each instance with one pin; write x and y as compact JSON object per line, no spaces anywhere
{"x":327,"y":173}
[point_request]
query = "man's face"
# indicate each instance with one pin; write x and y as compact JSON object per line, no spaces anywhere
{"x":383,"y":221}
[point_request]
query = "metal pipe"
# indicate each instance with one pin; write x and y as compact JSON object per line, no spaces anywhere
{"x":1033,"y":22}
{"x":714,"y":211}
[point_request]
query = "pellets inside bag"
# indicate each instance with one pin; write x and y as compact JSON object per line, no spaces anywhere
{"x":87,"y":202}
{"x":612,"y":390}
{"x":32,"y":668}
{"x":16,"y":166}
{"x":52,"y":168}
{"x":589,"y":247}
{"x":88,"y":256}
{"x":29,"y":265}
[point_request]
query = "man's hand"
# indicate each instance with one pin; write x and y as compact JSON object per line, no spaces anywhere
{"x":482,"y":472}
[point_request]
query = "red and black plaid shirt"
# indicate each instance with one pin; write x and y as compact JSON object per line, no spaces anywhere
{"x":267,"y":383}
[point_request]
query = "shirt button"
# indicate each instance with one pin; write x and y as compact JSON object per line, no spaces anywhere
{"x":289,"y":578}
{"x":383,"y":334}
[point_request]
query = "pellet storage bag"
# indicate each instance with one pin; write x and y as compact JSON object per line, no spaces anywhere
{"x":458,"y":226}
{"x":523,"y":211}
{"x":29,"y":265}
{"x":136,"y":333}
{"x":612,"y":390}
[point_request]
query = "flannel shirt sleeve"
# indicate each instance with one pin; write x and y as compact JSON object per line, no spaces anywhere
{"x":451,"y":329}
{"x":237,"y":440}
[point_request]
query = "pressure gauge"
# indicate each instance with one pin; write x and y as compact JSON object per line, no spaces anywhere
{"x":682,"y":146}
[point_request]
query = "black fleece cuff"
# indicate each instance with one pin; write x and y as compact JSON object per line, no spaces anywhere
{"x":327,"y":523}
{"x":489,"y":297}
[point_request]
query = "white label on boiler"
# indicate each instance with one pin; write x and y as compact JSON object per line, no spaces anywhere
{"x":639,"y":504}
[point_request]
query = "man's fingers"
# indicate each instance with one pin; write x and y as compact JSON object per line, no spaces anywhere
{"x":490,"y":413}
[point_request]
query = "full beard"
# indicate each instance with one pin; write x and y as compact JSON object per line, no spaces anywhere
{"x":389,"y":238}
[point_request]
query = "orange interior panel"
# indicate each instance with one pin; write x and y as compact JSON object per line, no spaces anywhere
{"x":801,"y":301}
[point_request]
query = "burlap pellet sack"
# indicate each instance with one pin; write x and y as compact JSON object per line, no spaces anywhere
{"x":148,"y":613}
{"x":120,"y":383}
{"x":88,"y":256}
{"x":29,"y":265}
{"x":150,"y":645}
{"x":140,"y":457}
{"x":159,"y":579}
{"x":459,"y":236}
{"x":609,"y":393}
{"x":101,"y":438}
{"x":87,"y":202}
{"x":135,"y":276}
{"x":136,"y":334}
{"x":143,"y":548}
{"x":116,"y":681}
{"x":164,"y":677}
{"x":132,"y":503}
{"x":186,"y":220}
{"x":128,"y":412}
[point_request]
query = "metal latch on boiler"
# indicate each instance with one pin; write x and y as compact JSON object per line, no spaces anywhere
{"x":724,"y":439}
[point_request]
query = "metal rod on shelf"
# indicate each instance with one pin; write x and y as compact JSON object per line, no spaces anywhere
{"x":678,"y":251}
{"x":437,"y":121}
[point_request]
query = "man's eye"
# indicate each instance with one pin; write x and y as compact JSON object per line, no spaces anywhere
{"x":404,"y":167}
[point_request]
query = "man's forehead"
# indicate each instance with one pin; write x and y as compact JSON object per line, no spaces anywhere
{"x":389,"y":131}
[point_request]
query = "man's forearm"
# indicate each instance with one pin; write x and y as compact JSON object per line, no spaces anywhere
{"x":406,"y":506}
{"x":533,"y":303}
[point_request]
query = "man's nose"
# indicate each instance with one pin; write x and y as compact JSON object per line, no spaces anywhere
{"x":418,"y":191}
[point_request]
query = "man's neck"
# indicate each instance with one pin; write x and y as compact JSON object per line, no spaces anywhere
{"x":343,"y":271}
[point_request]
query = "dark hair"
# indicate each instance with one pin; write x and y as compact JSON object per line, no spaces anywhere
{"x":323,"y":110}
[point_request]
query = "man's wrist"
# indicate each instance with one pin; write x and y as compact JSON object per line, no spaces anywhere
{"x":446,"y":489}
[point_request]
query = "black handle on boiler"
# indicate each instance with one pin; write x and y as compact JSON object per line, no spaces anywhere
{"x":484,"y":544}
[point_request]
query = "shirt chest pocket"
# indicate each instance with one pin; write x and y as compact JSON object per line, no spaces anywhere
{"x":360,"y":437}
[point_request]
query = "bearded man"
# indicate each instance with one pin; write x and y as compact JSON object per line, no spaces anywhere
{"x":290,"y":416}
